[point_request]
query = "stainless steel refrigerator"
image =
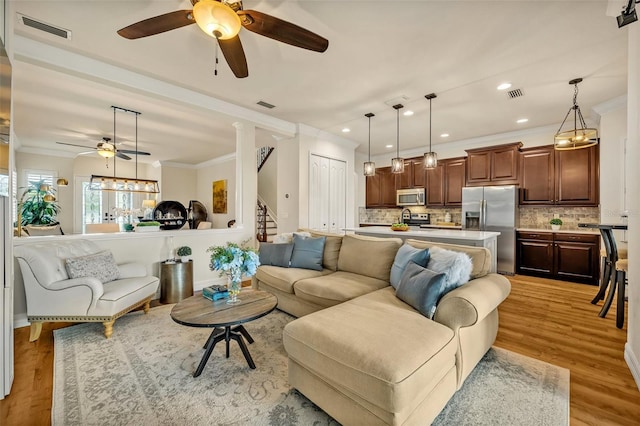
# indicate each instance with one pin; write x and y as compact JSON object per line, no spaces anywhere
{"x":494,"y":208}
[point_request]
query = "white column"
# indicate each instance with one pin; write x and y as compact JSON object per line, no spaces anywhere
{"x":632,"y":348}
{"x":246,"y":194}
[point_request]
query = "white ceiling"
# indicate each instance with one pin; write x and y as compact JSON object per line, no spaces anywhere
{"x":378,"y":51}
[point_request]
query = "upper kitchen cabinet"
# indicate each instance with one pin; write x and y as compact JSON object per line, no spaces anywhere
{"x":419,"y":172}
{"x":560,"y":177}
{"x":381,"y":189}
{"x":405,"y":179}
{"x":455,"y":174}
{"x":413,"y":175}
{"x":497,"y":165}
{"x":445,"y":182}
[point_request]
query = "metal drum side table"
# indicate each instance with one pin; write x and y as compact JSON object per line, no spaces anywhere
{"x":176,"y":281}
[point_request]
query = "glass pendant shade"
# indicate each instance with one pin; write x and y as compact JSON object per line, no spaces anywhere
{"x":397,"y":164}
{"x":430,"y":160}
{"x":580,"y":136}
{"x":369,"y":168}
{"x":216,"y":19}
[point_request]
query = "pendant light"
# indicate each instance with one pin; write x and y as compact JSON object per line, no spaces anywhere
{"x":578,"y":137}
{"x":369,"y":166}
{"x":397,"y":164}
{"x":430,"y":158}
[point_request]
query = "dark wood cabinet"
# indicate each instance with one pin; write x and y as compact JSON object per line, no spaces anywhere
{"x":560,"y":177}
{"x":419,"y":172}
{"x":435,"y":185}
{"x":405,"y":179}
{"x":497,"y":165}
{"x":454,"y":181}
{"x":563,"y":256}
{"x":381,"y":189}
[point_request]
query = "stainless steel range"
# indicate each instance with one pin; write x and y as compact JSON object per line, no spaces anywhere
{"x":415,"y":219}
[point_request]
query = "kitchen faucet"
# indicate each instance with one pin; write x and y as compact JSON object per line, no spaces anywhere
{"x":402,"y":215}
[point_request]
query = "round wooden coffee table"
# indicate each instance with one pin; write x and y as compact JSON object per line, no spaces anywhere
{"x":226,"y":320}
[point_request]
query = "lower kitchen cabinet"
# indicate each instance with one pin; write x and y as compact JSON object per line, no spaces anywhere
{"x":562,"y":256}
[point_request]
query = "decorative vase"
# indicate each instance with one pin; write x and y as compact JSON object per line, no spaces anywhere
{"x":234,"y":288}
{"x":555,"y":227}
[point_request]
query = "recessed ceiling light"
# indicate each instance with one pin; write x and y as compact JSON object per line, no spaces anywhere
{"x":504,"y":86}
{"x":388,"y":146}
{"x":522,"y":120}
{"x":444,"y":135}
{"x":346,"y":130}
{"x":408,"y":113}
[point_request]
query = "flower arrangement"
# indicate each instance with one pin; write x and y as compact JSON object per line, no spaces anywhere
{"x":234,"y":260}
{"x":555,"y":221}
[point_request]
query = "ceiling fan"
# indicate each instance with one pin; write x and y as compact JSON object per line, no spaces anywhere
{"x":222,"y":20}
{"x":107,"y":150}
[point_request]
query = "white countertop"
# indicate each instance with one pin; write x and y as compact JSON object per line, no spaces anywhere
{"x":426,"y":233}
{"x":562,"y":231}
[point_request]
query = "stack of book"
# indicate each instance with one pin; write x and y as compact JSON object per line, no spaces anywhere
{"x":215,"y":292}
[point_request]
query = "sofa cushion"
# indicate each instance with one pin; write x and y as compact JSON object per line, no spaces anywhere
{"x":421,"y":288}
{"x":284,"y":278}
{"x":406,"y":254}
{"x":99,"y":265}
{"x":307,"y":252}
{"x":332,"y":247}
{"x":454,"y":264}
{"x":480,"y":256}
{"x":375,"y":346}
{"x":287,"y":237}
{"x":369,"y":256}
{"x":336,"y":288}
{"x":275,"y":254}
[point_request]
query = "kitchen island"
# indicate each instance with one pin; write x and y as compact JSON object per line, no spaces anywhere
{"x":448,"y":236}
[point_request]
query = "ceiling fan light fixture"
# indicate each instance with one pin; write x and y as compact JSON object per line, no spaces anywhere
{"x":106,"y":150}
{"x":580,"y":136}
{"x":217,"y":19}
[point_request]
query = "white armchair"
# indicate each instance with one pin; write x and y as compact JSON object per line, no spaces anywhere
{"x":52,"y":296}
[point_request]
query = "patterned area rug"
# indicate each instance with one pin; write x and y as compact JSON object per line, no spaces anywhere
{"x":143,"y":376}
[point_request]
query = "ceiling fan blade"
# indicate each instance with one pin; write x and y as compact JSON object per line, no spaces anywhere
{"x":286,"y":32}
{"x":124,"y":157}
{"x":73,"y":144}
{"x":133,"y":152}
{"x":158,"y":24}
{"x":234,"y":54}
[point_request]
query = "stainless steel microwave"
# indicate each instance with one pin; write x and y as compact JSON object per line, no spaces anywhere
{"x":410,"y":197}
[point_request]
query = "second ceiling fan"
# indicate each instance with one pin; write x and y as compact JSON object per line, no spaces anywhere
{"x":222,"y":20}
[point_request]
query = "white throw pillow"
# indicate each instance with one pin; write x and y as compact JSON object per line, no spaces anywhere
{"x":287,"y":237}
{"x":454,"y":264}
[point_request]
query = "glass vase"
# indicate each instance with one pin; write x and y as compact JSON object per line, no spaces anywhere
{"x":234,"y":288}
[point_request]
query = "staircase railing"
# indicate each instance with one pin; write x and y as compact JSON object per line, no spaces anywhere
{"x":263,"y":155}
{"x":261,"y":222}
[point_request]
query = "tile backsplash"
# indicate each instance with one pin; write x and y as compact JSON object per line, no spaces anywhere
{"x":530,"y":217}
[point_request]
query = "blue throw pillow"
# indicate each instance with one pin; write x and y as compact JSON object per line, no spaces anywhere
{"x":421,"y":288}
{"x":405,"y":254}
{"x":275,"y":254}
{"x":307,"y":252}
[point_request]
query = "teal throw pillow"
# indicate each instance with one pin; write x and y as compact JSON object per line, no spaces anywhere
{"x":307,"y":252}
{"x":275,"y":254}
{"x":406,"y":254}
{"x":421,"y":288}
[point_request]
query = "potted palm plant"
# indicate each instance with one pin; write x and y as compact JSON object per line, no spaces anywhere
{"x":38,"y":205}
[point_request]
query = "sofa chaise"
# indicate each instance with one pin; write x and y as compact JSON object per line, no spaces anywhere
{"x":366,"y":357}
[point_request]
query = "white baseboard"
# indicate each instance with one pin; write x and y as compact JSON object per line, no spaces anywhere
{"x":633,"y":363}
{"x":20,"y":320}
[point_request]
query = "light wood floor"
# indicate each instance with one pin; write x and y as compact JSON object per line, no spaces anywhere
{"x":549,"y":320}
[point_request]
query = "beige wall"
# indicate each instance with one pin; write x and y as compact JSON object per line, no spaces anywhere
{"x":268,"y":181}
{"x":217,"y":170}
{"x":178,"y":184}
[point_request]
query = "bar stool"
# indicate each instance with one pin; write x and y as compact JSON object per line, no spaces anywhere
{"x":620,"y":282}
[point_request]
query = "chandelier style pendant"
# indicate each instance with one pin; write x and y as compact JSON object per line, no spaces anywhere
{"x":430,"y":158}
{"x":369,"y":166}
{"x":578,"y":137}
{"x":397,"y":163}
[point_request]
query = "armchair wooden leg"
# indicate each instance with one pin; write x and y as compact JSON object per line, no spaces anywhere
{"x":147,"y":306}
{"x":36,"y":329}
{"x":108,"y":328}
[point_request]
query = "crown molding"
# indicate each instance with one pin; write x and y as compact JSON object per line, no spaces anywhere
{"x":47,"y":152}
{"x":306,"y":130}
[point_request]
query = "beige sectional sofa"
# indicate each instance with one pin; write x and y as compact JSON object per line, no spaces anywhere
{"x":363,"y":355}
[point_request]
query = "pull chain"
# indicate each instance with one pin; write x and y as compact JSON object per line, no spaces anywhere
{"x":215,"y":70}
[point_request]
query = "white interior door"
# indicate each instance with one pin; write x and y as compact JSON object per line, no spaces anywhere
{"x":338,"y":195}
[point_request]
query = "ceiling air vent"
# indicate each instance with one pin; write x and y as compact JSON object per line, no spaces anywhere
{"x":30,"y":22}
{"x":266,"y":104}
{"x":516,"y":93}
